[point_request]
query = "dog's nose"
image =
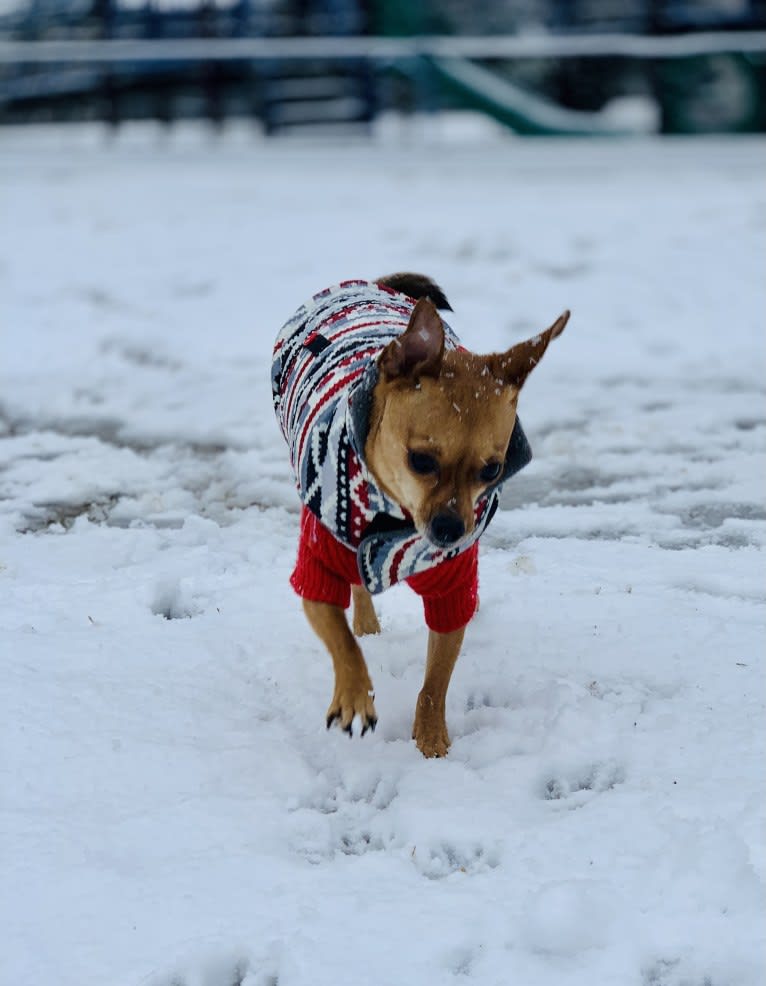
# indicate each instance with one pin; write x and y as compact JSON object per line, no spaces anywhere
{"x":446,"y":529}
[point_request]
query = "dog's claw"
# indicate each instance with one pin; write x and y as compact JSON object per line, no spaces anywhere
{"x":369,"y":723}
{"x":347,"y":705}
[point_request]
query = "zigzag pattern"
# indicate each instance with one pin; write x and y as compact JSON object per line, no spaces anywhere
{"x":318,"y":357}
{"x":323,"y":363}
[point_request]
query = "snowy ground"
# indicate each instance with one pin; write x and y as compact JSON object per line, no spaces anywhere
{"x":173,"y":811}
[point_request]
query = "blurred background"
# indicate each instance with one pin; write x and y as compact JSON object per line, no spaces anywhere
{"x":549,"y":67}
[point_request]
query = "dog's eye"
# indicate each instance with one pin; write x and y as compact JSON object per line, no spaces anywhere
{"x":490,"y":471}
{"x":422,"y":463}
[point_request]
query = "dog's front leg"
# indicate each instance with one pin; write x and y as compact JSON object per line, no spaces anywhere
{"x":430,"y":729}
{"x":353,"y":695}
{"x":365,"y":617}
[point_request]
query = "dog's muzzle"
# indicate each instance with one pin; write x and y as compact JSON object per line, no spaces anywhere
{"x":446,"y":529}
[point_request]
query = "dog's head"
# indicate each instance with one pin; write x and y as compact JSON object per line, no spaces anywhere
{"x":441,"y":422}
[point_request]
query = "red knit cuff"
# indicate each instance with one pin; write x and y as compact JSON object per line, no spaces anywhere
{"x":444,"y":614}
{"x":314,"y":582}
{"x":450,"y":591}
{"x":311,"y":578}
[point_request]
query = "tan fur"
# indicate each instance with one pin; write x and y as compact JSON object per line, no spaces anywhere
{"x":353,"y":694}
{"x":458,"y":408}
{"x":365,"y":617}
{"x":464,"y":419}
{"x":430,"y":728}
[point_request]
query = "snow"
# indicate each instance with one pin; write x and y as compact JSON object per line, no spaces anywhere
{"x":172,"y":809}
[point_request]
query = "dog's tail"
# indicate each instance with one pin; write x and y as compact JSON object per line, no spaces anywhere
{"x":416,"y":286}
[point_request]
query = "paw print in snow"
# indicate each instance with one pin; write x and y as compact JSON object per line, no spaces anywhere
{"x":437,"y":862}
{"x":579,"y":787}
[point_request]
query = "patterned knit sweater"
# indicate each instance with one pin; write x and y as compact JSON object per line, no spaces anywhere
{"x":323,"y":374}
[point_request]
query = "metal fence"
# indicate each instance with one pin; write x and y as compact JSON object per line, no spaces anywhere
{"x":103,"y":62}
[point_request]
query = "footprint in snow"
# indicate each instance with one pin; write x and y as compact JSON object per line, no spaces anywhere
{"x":442,"y":860}
{"x":666,"y":972}
{"x":357,"y":843}
{"x":331,"y":793}
{"x":173,"y":601}
{"x":579,"y":786}
{"x":219,"y":972}
{"x":343,"y":815}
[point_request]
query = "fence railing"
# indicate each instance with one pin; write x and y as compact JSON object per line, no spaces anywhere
{"x":382,"y":48}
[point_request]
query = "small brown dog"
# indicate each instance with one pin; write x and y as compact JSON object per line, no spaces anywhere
{"x":400,"y":440}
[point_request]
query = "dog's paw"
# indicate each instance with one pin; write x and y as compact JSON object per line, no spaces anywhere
{"x":365,"y":623}
{"x":430,"y":727}
{"x":365,"y":617}
{"x":431,"y":738}
{"x":349,"y":702}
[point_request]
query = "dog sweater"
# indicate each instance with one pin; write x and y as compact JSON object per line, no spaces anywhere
{"x":324,"y":372}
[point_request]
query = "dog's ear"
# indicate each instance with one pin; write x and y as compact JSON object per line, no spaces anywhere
{"x":418,"y":351}
{"x":514,"y":367}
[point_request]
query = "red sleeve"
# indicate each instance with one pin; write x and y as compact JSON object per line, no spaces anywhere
{"x":325,"y":568}
{"x":450,"y":591}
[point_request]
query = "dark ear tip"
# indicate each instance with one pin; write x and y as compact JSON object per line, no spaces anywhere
{"x":560,"y":324}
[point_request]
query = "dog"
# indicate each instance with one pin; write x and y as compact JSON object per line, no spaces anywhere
{"x":400,"y":440}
